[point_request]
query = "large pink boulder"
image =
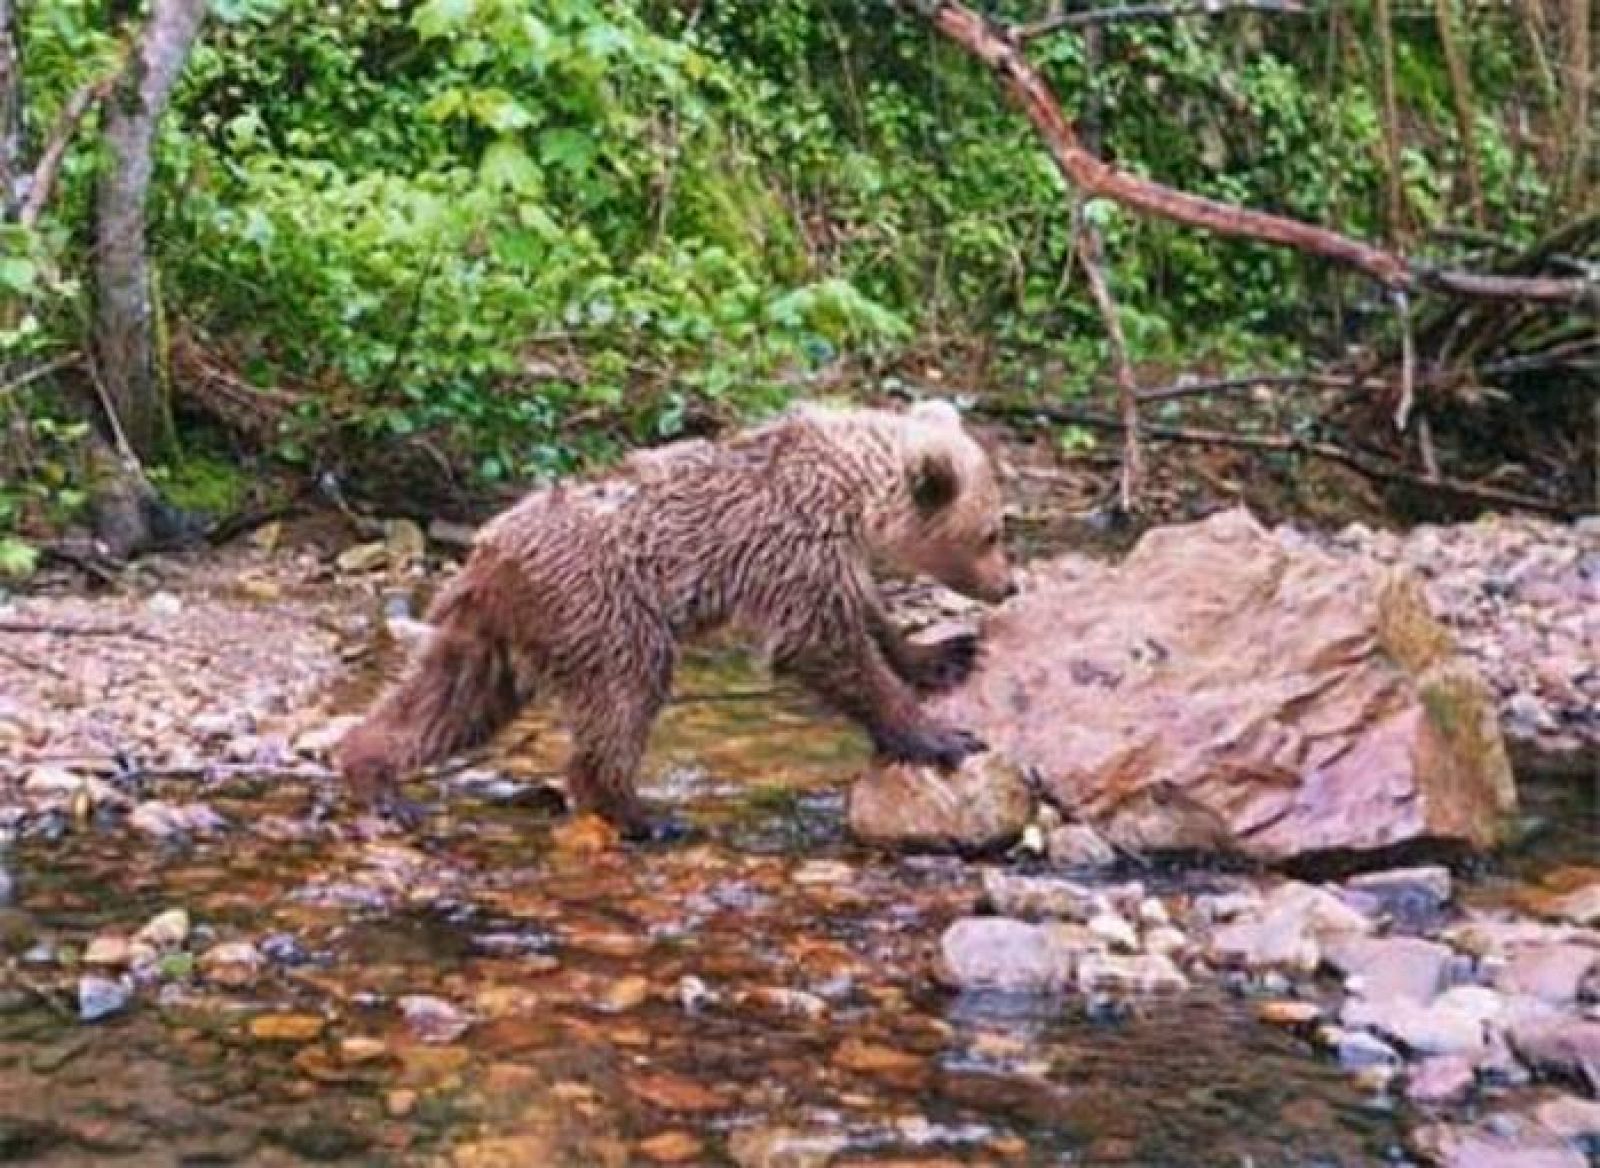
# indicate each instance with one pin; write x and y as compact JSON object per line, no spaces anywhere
{"x":1227,"y":688}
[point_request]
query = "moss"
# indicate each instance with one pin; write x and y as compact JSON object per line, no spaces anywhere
{"x":204,"y":484}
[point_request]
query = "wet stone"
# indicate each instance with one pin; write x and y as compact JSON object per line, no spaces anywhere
{"x":1459,"y":1146}
{"x":1002,"y":954}
{"x":100,"y":997}
{"x":1562,"y":1046}
{"x":1077,"y":845}
{"x":1552,"y":973}
{"x":1040,"y":897}
{"x":1387,"y":968}
{"x":1445,"y":1078}
{"x":781,"y":1147}
{"x":1358,"y":1050}
{"x":1413,"y":898}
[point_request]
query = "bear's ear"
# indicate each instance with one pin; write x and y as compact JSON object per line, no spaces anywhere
{"x":938,"y":412}
{"x":934,"y":481}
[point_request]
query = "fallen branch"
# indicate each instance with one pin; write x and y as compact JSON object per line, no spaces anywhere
{"x":1001,"y":50}
{"x":43,"y":182}
{"x":1059,"y":20}
{"x":57,"y":629}
{"x":1367,"y":464}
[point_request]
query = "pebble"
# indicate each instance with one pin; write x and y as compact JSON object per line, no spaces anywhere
{"x":432,"y":1019}
{"x":100,"y":997}
{"x":1445,"y":1078}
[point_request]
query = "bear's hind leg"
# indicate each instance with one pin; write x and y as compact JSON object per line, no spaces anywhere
{"x":611,"y":721}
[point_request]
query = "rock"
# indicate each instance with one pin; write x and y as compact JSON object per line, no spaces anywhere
{"x":507,"y":1151}
{"x":1001,"y":954}
{"x":1454,"y":1146}
{"x":671,"y":1147}
{"x":1227,"y":906}
{"x":1570,"y":1118}
{"x":1444,"y":1078}
{"x":164,"y":604}
{"x":100,"y":997}
{"x":1563,"y":1046}
{"x":1388,"y":968}
{"x":433,"y":1020}
{"x":287,"y":1027}
{"x":670,"y":1092}
{"x":1430,"y":1029}
{"x":165,"y":931}
{"x":1411,"y":896}
{"x":1117,"y":933}
{"x":1138,"y":972}
{"x":236,"y":964}
{"x":109,"y":951}
{"x":1166,"y":940}
{"x":1358,"y":1050}
{"x":1077,"y":845}
{"x":782,"y":1147}
{"x":624,"y":994}
{"x":8,"y":887}
{"x":1286,"y":929}
{"x":1282,"y":1012}
{"x":1040,"y":897}
{"x":362,"y":557}
{"x":1219,"y":689}
{"x":162,"y":820}
{"x":1580,"y":906}
{"x":985,"y":804}
{"x":1552,"y":973}
{"x":884,"y":1062}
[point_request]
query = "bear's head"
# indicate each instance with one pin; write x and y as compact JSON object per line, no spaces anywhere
{"x":953,"y":527}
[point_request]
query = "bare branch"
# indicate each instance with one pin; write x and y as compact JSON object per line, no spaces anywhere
{"x":1084,"y":18}
{"x":43,"y":182}
{"x":1000,"y":49}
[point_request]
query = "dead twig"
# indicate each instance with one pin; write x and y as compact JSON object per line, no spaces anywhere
{"x":57,"y":629}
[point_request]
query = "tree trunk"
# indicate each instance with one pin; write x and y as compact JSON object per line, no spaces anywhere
{"x":1394,"y":176}
{"x":1461,"y":100}
{"x":123,"y":342}
{"x":10,"y":112}
{"x":1580,"y":134}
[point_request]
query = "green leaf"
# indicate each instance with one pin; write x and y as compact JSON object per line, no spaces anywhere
{"x":507,"y":167}
{"x":572,"y":150}
{"x":18,"y":274}
{"x":17,"y":559}
{"x":437,"y":18}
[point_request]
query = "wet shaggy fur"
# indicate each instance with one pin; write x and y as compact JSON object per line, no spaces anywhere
{"x":585,"y":592}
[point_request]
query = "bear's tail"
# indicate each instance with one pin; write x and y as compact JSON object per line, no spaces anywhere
{"x":460,"y":692}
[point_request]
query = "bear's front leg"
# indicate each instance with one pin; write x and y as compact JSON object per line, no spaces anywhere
{"x":929,"y":669}
{"x":854,"y":676}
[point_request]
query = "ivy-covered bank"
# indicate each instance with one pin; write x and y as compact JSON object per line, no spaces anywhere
{"x":517,"y":234}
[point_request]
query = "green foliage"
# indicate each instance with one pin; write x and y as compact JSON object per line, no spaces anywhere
{"x":524,"y":232}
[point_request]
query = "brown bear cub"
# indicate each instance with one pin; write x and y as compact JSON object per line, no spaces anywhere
{"x":585,"y":591}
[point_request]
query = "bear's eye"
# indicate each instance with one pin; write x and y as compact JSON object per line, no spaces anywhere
{"x":991,"y":537}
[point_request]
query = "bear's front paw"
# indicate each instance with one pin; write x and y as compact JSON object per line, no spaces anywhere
{"x":397,"y":809}
{"x":660,"y":830}
{"x":935,"y":745}
{"x":945,"y":664}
